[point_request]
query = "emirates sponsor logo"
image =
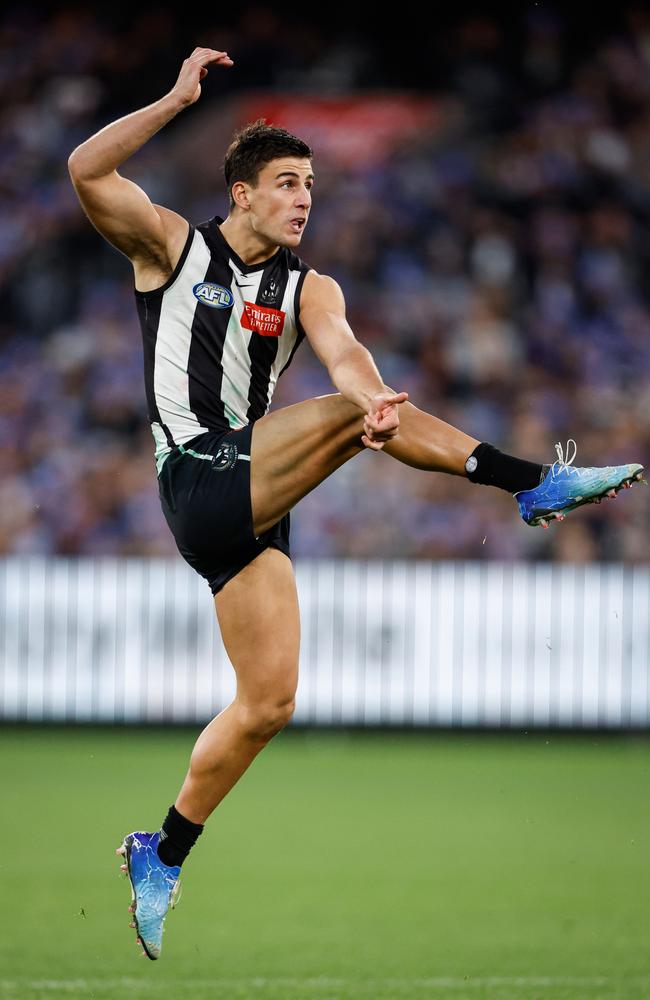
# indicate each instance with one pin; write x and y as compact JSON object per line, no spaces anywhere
{"x":264,"y":320}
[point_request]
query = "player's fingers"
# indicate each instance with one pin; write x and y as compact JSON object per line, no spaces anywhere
{"x":373,"y":434}
{"x":203,"y":50}
{"x":373,"y":445}
{"x":221,"y":61}
{"x":209,"y":55}
{"x":201,"y":61}
{"x":395,"y":397}
{"x":384,"y":422}
{"x":380,"y":433}
{"x":386,"y":408}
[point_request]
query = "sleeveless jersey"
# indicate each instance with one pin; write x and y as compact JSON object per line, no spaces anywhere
{"x":217,"y":336}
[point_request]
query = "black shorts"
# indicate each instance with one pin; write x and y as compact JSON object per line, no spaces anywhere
{"x":205,"y":494}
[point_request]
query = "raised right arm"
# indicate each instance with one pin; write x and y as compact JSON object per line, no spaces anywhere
{"x":149,"y":235}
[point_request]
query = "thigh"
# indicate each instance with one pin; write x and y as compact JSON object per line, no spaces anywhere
{"x":295,"y":448}
{"x":260,"y":626}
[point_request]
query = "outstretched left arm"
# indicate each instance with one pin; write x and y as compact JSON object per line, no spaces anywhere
{"x":349,"y":363}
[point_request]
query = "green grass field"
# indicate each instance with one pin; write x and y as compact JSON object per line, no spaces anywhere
{"x":342,"y":865}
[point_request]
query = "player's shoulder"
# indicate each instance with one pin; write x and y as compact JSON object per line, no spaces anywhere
{"x":320,"y":289}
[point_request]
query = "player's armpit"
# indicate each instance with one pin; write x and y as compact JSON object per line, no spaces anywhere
{"x":123,"y":214}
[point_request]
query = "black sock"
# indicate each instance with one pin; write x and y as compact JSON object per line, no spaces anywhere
{"x":177,"y":838}
{"x":490,"y":467}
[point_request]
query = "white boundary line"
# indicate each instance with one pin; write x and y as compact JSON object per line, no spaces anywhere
{"x":324,"y":983}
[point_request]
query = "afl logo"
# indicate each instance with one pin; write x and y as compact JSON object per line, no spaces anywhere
{"x":215,"y":296}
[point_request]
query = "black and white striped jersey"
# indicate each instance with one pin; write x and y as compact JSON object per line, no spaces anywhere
{"x":217,"y":336}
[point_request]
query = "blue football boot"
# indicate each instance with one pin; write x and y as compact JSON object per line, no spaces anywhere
{"x":565,"y":487}
{"x":154,"y":888}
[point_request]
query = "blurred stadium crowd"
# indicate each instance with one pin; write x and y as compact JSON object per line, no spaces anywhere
{"x":498,"y":270}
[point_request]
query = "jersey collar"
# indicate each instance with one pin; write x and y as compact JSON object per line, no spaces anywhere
{"x":242,"y":265}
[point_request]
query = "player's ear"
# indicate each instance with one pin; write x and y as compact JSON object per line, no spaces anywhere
{"x":240,"y":194}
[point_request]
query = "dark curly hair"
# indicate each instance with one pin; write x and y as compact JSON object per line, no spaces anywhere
{"x":255,"y":145}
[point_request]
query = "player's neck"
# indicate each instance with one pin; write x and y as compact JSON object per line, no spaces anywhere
{"x":248,"y":245}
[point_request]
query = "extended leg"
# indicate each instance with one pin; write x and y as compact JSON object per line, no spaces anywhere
{"x":296,"y":448}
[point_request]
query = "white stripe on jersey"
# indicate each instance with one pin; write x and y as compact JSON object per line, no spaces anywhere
{"x":235,"y":361}
{"x":171,"y":380}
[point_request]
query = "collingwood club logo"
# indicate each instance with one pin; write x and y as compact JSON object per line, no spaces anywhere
{"x":271,"y":291}
{"x":225,"y":458}
{"x":215,"y":296}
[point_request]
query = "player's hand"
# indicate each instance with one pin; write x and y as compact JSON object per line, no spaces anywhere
{"x":188,"y":86}
{"x":381,"y":422}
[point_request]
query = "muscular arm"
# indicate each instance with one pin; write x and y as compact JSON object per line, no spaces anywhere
{"x":350,"y":365}
{"x":117,"y":207}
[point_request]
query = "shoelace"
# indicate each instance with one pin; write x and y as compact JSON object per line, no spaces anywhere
{"x":563,"y":464}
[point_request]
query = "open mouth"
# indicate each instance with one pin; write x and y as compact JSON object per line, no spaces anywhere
{"x":297,"y":224}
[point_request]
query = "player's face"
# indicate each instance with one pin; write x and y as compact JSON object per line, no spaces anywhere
{"x":281,"y":200}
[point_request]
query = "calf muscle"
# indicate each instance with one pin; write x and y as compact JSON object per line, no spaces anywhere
{"x":428,"y":443}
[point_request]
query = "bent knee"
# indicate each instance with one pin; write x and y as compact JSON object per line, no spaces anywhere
{"x":262,"y":720}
